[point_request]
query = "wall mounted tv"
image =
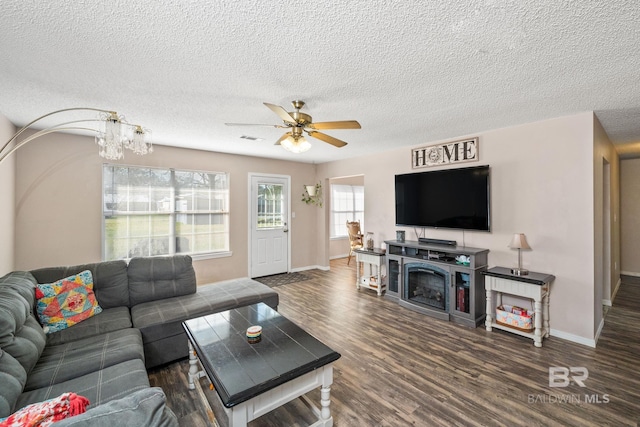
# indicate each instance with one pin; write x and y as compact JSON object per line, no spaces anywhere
{"x":447,"y":198}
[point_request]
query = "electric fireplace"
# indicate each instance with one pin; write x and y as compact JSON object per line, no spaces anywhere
{"x":426,"y":285}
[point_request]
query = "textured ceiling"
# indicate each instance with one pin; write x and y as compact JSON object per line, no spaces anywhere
{"x":410,"y":72}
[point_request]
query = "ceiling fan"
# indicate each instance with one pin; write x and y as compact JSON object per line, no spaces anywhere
{"x":298,"y":123}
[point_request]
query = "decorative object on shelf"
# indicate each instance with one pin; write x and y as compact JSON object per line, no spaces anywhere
{"x":519,"y":242}
{"x":112,"y":136}
{"x":400,"y":235}
{"x":369,"y":240}
{"x":463,"y":260}
{"x":312,"y":194}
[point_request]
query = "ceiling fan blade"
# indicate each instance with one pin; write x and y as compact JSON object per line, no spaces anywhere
{"x":326,"y":138}
{"x":256,"y":124}
{"x":282,"y":138}
{"x":345,"y":124}
{"x":281,"y":112}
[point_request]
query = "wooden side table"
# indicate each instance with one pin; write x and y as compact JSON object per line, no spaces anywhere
{"x":373,"y":257}
{"x":535,"y":286}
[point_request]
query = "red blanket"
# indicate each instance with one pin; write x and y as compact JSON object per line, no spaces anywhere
{"x":45,"y":413}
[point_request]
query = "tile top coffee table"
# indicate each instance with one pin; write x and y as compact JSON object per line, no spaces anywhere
{"x":253,"y":378}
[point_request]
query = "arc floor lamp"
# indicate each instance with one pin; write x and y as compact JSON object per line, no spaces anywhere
{"x":112,"y":134}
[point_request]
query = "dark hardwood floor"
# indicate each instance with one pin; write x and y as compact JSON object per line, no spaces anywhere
{"x":400,"y":368}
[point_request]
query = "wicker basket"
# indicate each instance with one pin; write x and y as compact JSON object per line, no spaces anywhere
{"x":515,"y":317}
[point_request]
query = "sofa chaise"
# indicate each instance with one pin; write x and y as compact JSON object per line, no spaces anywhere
{"x":104,"y":357}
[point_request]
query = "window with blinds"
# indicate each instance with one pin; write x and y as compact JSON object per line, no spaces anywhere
{"x":150,"y":211}
{"x":347,"y":204}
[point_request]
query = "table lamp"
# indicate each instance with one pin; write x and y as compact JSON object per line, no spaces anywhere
{"x":519,"y":242}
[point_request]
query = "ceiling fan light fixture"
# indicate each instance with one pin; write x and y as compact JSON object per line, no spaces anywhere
{"x":297,"y":122}
{"x":295,"y":145}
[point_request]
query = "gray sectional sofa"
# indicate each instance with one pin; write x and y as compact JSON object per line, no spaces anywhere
{"x":104,"y":358}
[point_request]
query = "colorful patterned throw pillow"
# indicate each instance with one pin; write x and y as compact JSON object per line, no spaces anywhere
{"x":66,"y":302}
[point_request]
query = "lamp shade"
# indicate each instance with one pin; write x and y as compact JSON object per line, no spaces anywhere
{"x":296,"y":144}
{"x":519,"y":241}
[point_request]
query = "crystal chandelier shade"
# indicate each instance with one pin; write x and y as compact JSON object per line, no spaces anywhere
{"x":140,"y":143}
{"x":113,"y":135}
{"x":295,"y":144}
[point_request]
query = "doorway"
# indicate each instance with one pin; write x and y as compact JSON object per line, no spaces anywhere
{"x":269,"y":239}
{"x":606,"y":234}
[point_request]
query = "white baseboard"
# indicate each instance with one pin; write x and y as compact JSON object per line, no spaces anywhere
{"x":609,"y":302}
{"x":574,"y":338}
{"x":630,"y":273}
{"x":616,"y":289}
{"x":599,"y":331}
{"x":339,"y":256}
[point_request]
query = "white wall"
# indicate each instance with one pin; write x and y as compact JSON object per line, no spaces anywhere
{"x":7,"y":202}
{"x":542,"y":182}
{"x":58,"y":199}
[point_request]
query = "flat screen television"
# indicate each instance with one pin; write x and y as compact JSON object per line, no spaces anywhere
{"x":448,"y":198}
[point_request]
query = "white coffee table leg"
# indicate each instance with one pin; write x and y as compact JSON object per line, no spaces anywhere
{"x":325,"y":401}
{"x":194,"y":373}
{"x":238,"y":416}
{"x":324,"y":417}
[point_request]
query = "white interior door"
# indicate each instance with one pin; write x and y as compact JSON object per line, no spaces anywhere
{"x":269,"y":228}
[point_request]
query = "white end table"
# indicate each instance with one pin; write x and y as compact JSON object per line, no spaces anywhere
{"x":535,"y":286}
{"x":374,"y":257}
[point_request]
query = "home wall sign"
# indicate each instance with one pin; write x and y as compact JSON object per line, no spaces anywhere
{"x":465,"y":150}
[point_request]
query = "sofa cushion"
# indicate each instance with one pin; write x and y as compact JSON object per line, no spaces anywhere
{"x":66,"y":302}
{"x":20,"y":333}
{"x":99,"y":386}
{"x":63,"y":362}
{"x":22,"y":282}
{"x":110,"y":282}
{"x":163,"y":318}
{"x":160,"y":322}
{"x":111,"y":319}
{"x":13,"y":378}
{"x":154,"y":278}
{"x":144,"y":407}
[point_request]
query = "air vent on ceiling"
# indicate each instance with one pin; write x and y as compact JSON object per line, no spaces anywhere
{"x":251,"y":138}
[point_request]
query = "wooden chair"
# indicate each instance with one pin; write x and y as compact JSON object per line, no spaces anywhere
{"x":355,"y":237}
